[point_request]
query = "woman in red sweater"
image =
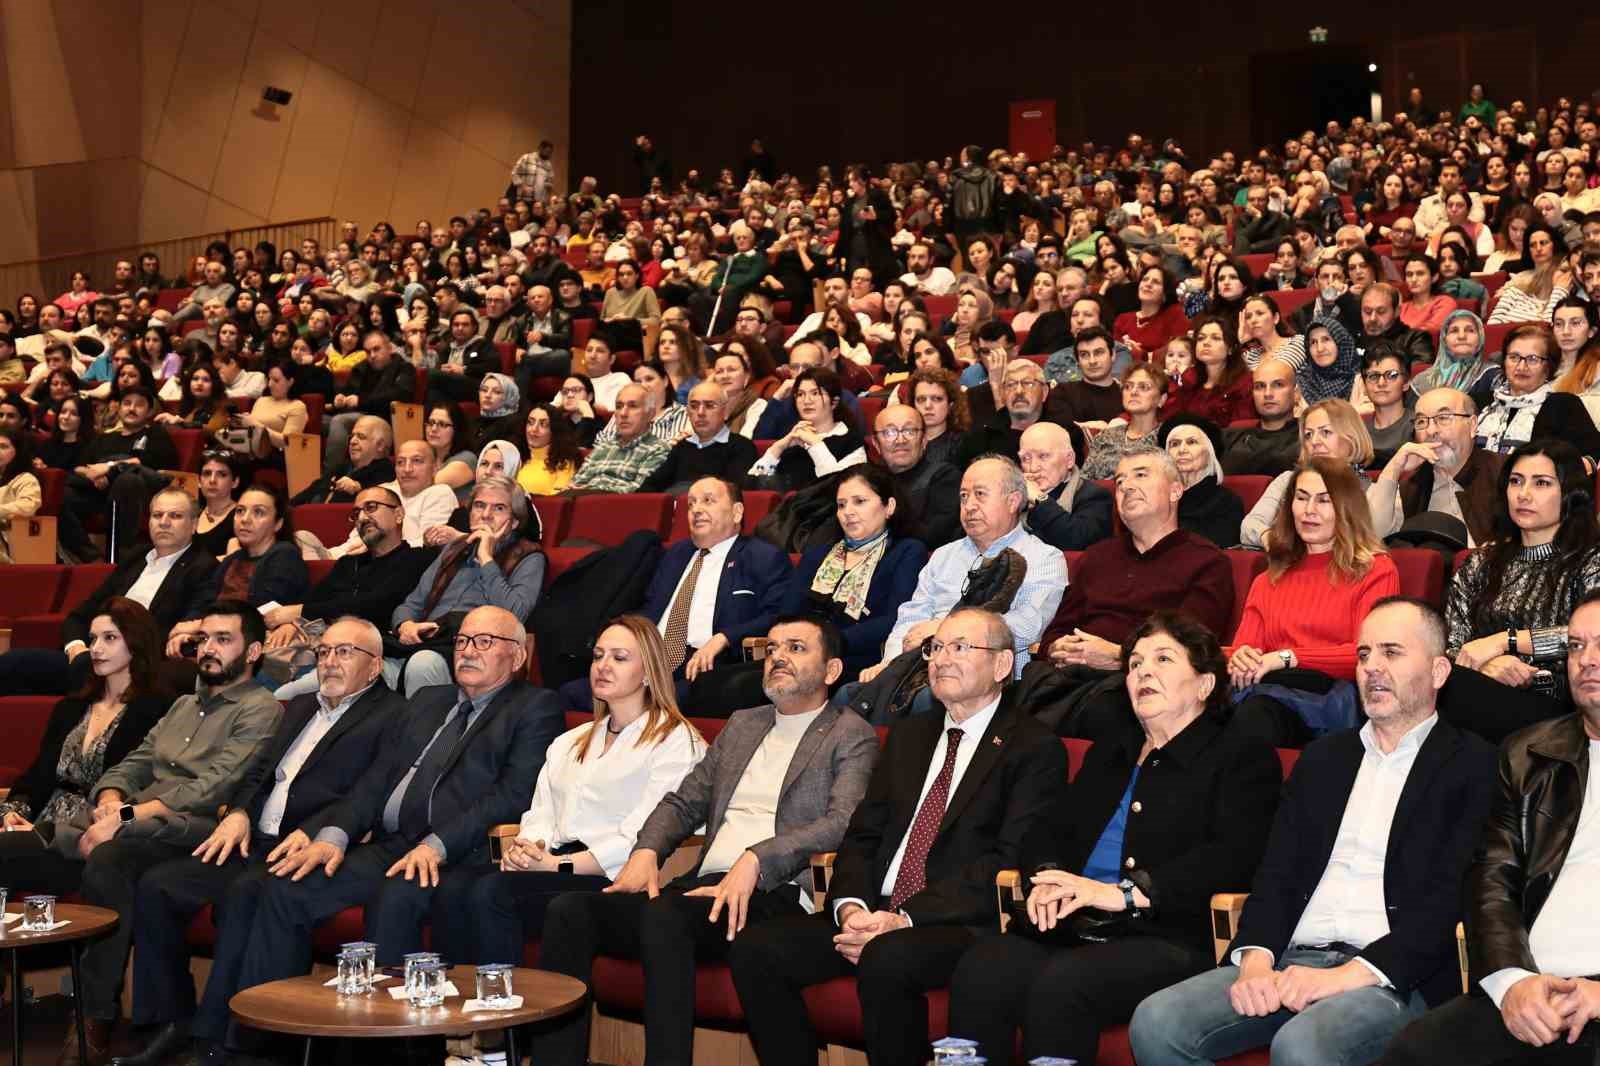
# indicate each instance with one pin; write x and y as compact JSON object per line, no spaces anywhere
{"x":1218,"y":386}
{"x":1326,"y":569}
{"x":1159,"y":318}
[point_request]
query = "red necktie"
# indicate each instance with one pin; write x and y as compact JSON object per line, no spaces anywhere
{"x":912,"y":876}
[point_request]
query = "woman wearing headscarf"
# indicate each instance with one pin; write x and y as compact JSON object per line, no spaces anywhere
{"x":1332,"y":362}
{"x":1459,"y":363}
{"x":499,"y":412}
{"x":973,"y":309}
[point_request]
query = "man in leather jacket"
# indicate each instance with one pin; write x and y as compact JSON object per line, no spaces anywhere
{"x":1533,"y":941}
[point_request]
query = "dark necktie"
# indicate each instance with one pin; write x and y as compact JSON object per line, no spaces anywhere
{"x":912,"y":876}
{"x":416,"y":805}
{"x":676,"y":639}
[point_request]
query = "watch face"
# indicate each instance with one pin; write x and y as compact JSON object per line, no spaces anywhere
{"x":125,"y":813}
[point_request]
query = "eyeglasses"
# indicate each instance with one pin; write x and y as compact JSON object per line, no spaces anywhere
{"x":958,"y":648}
{"x":895,"y":433}
{"x":1518,"y":359}
{"x":1138,"y":387}
{"x":369,"y":508}
{"x":1019,"y":384}
{"x":341,"y":652}
{"x":480,"y":641}
{"x":439,"y":423}
{"x":1380,"y":377}
{"x":1443,"y":419}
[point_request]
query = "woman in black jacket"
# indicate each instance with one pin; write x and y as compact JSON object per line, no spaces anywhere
{"x":267,"y":567}
{"x":1119,"y":878}
{"x":1207,"y":509}
{"x":88,"y":732}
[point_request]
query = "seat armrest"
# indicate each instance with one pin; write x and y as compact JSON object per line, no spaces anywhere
{"x":1007,"y":888}
{"x":1461,"y":958}
{"x":821,"y":875}
{"x":1225,"y":910}
{"x":498,"y":835}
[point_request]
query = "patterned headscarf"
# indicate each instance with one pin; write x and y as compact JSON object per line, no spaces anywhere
{"x":1332,"y":381}
{"x":512,"y":401}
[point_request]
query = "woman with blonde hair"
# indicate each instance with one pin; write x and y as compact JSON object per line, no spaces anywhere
{"x":1326,"y":569}
{"x":1329,"y":429}
{"x":599,"y":783}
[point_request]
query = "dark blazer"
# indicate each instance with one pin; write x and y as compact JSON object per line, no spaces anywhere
{"x":877,"y":233}
{"x":38,"y":781}
{"x":1436,"y":825}
{"x":488,"y":780}
{"x":1534,"y":808}
{"x":1211,"y":511}
{"x":893,"y":582}
{"x":182,"y":593}
{"x":1017,"y":774}
{"x":280,"y":577}
{"x":480,"y":357}
{"x":755,"y":578}
{"x":1087,"y":523}
{"x":334,"y":765}
{"x":1205,"y":799}
{"x":377,"y":389}
{"x":687,"y":463}
{"x":930,"y":497}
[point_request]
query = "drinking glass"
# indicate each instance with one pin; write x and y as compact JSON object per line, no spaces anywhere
{"x":38,"y":912}
{"x":494,"y":984}
{"x":369,"y":952}
{"x":352,"y":977}
{"x":430,"y":985}
{"x":414,"y":960}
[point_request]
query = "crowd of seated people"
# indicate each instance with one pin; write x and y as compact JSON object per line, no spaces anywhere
{"x":1005,"y":467}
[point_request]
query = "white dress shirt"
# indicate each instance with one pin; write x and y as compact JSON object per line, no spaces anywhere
{"x":703,"y":607}
{"x":606,"y":387}
{"x":323,"y":719}
{"x":972,"y":731}
{"x":1348,"y":905}
{"x":1565,"y":938}
{"x":604,"y":800}
{"x":145,"y":587}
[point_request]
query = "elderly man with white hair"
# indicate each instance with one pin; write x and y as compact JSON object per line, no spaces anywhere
{"x":1065,"y":509}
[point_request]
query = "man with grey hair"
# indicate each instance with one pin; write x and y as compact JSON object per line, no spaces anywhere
{"x":992,"y":498}
{"x":493,"y":565}
{"x":1441,"y":472}
{"x":1023,"y":390}
{"x":324,"y":742}
{"x":623,"y":464}
{"x":213,"y":286}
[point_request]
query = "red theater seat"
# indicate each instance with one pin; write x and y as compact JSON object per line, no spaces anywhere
{"x":329,"y":521}
{"x":1248,"y":487}
{"x":553,"y":514}
{"x":1421,"y":574}
{"x":607,"y":520}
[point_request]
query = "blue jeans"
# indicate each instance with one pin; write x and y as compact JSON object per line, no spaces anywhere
{"x":1194,"y":1022}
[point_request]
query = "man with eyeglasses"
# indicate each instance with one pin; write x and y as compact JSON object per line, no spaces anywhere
{"x":951,"y":799}
{"x":423,"y":504}
{"x":378,"y":381}
{"x":1386,"y":377}
{"x":710,"y":449}
{"x":325,"y":740}
{"x":777,"y":785}
{"x":1024,"y":390}
{"x":464,"y":757}
{"x":368,"y":584}
{"x":1441,"y":472}
{"x":161,"y":800}
{"x":492,"y":565}
{"x":927,"y":488}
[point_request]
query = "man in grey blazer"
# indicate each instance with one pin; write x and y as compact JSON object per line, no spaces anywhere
{"x":779,"y":784}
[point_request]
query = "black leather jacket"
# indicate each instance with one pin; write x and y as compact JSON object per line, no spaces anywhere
{"x":1543,"y":773}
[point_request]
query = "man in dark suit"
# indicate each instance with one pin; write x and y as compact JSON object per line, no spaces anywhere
{"x":463,"y":362}
{"x":465,"y":758}
{"x":323,"y":744}
{"x":777,"y":785}
{"x":169,"y":579}
{"x":710,"y":591}
{"x":1531,"y":931}
{"x":1349,"y":931}
{"x":953,"y":794}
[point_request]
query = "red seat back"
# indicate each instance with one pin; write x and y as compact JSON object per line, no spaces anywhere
{"x":559,"y":560}
{"x":33,"y":589}
{"x":81,"y":583}
{"x":52,"y":489}
{"x":1256,"y":262}
{"x":1248,"y":487}
{"x":1494,"y":339}
{"x":581,"y":329}
{"x":553,"y":512}
{"x":1291,"y":300}
{"x":329,"y":521}
{"x":1246,"y":565}
{"x":23,"y":719}
{"x":608,"y":520}
{"x":1421,"y":574}
{"x":320,"y":568}
{"x":189,"y":443}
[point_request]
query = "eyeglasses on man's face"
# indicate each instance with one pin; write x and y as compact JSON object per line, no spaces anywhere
{"x":958,"y":648}
{"x":343,"y":653}
{"x":898,"y":433}
{"x":1443,"y":419}
{"x":480,"y":641}
{"x":369,"y":509}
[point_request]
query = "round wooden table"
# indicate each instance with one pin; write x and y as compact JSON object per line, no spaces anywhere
{"x":306,"y":1006}
{"x":83,"y":922}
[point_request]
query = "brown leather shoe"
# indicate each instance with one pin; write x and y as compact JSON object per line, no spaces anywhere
{"x":98,"y":1051}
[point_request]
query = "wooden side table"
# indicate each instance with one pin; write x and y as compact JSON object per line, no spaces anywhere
{"x":305,"y":1006}
{"x":83,"y":922}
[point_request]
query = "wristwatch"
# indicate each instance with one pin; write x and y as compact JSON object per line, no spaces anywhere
{"x":1288,"y":658}
{"x":564,"y":867}
{"x":1511,"y":640}
{"x":1127,"y":887}
{"x":124,"y":814}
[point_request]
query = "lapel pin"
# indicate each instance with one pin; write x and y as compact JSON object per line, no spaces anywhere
{"x":995,"y":741}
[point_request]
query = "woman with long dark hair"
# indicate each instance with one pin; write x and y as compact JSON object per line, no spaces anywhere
{"x":554,"y":453}
{"x":1509,"y":602}
{"x":1218,"y":386}
{"x":824,"y":441}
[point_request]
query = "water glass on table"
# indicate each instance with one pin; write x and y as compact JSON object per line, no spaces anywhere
{"x":430,"y":985}
{"x":38,"y":913}
{"x":494,"y":985}
{"x":413,"y":961}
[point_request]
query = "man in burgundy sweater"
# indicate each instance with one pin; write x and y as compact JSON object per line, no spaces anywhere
{"x":1149,"y":564}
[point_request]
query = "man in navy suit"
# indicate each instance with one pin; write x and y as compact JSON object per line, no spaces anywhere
{"x":464,"y":758}
{"x":324,"y":742}
{"x":710,"y":591}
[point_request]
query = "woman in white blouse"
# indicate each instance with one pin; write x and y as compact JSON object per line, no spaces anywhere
{"x":599,"y":783}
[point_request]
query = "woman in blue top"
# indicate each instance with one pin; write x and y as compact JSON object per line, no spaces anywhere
{"x":860,"y":582}
{"x":1119,"y":877}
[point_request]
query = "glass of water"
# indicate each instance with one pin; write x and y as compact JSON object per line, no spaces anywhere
{"x":954,"y":1050}
{"x":38,"y":912}
{"x":430,"y":985}
{"x":494,"y":984}
{"x":369,"y":952}
{"x":413,"y":961}
{"x":352,"y":978}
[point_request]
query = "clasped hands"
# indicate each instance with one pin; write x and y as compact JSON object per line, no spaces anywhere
{"x":859,"y":926}
{"x":1261,"y":990}
{"x":297,"y":855}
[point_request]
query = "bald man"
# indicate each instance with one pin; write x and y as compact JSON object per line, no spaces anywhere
{"x":376,"y":382}
{"x":325,"y":741}
{"x":1441,"y":471}
{"x":464,"y":757}
{"x":1273,"y":446}
{"x":709,"y":450}
{"x":1065,"y":509}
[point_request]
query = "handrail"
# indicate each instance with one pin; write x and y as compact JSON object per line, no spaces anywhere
{"x":48,"y":276}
